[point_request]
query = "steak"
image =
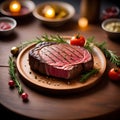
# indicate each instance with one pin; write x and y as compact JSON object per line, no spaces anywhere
{"x":60,"y":60}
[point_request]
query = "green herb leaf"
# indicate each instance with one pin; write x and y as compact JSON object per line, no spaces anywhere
{"x":112,"y":56}
{"x":89,"y":44}
{"x":44,"y":38}
{"x":87,"y":75}
{"x":12,"y":72}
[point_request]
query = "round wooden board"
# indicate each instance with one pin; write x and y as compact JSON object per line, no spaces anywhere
{"x":51,"y":84}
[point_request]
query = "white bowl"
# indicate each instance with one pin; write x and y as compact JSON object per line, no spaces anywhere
{"x":7,"y":21}
{"x":54,"y":22}
{"x":111,"y":31}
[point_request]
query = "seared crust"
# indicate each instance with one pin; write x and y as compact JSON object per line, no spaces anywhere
{"x":35,"y":61}
{"x":38,"y":63}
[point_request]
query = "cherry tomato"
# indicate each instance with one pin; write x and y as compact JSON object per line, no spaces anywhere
{"x":24,"y":96}
{"x":114,"y":74}
{"x":77,"y":40}
{"x":11,"y":83}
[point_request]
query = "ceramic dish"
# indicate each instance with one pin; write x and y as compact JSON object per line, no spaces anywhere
{"x":27,"y":6}
{"x":54,"y":22}
{"x":7,"y":25}
{"x":111,"y":27}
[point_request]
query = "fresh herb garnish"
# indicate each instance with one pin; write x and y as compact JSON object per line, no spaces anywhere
{"x":108,"y":53}
{"x":12,"y":72}
{"x":89,"y":44}
{"x":58,"y":39}
{"x":44,"y":38}
{"x":87,"y":75}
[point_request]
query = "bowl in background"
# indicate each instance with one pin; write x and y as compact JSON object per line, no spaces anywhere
{"x":7,"y":25}
{"x":112,"y":27}
{"x":54,"y":22}
{"x":27,"y":6}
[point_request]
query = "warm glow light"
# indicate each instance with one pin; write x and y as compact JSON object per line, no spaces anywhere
{"x":49,"y":12}
{"x":83,"y":22}
{"x":15,"y":6}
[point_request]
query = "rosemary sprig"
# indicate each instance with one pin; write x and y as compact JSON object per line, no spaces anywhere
{"x":89,"y":43}
{"x":44,"y":38}
{"x":26,"y":43}
{"x":87,"y":75}
{"x":108,"y":53}
{"x":53,"y":38}
{"x":12,"y":72}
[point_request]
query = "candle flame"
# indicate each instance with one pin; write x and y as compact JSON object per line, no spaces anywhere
{"x":15,"y":6}
{"x":83,"y":22}
{"x":49,"y":12}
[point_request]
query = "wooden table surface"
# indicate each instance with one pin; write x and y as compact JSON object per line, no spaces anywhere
{"x":100,"y":101}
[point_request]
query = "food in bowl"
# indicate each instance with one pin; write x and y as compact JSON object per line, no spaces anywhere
{"x":113,"y":26}
{"x":53,"y":11}
{"x":7,"y":25}
{"x":4,"y":26}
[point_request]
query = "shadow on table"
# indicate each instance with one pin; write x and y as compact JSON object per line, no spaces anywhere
{"x":9,"y":115}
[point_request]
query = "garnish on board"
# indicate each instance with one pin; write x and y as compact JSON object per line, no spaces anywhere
{"x":77,"y":40}
{"x":85,"y":76}
{"x":14,"y":82}
{"x":52,"y":38}
{"x":109,"y":54}
{"x":46,"y":38}
{"x":56,"y":38}
{"x":88,"y":45}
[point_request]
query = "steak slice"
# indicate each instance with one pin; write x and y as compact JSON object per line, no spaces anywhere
{"x":60,"y":60}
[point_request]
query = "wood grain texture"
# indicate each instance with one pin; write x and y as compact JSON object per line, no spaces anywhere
{"x":99,"y":100}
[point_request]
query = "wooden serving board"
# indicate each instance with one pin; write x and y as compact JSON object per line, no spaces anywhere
{"x":51,"y":84}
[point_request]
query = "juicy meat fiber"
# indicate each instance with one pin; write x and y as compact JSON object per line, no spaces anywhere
{"x":60,"y":60}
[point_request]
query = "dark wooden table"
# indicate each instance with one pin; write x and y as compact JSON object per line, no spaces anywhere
{"x":101,"y":101}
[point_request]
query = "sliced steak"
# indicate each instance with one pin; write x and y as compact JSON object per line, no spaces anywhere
{"x":60,"y":60}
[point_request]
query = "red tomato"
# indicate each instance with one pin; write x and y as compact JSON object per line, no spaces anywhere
{"x":24,"y":96}
{"x":77,"y":40}
{"x":114,"y":74}
{"x":11,"y":83}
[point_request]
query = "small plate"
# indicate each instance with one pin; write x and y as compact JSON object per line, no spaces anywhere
{"x":56,"y":85}
{"x":7,"y":25}
{"x":27,"y":6}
